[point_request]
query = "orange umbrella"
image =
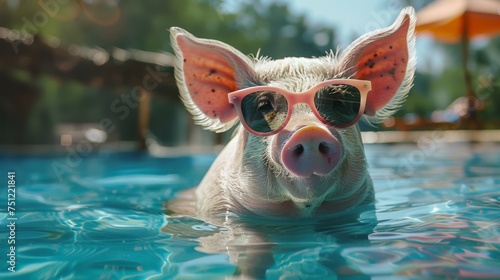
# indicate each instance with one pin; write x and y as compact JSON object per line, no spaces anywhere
{"x":453,"y":21}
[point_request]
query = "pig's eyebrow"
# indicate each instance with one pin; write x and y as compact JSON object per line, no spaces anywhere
{"x":266,"y":93}
{"x":336,"y":89}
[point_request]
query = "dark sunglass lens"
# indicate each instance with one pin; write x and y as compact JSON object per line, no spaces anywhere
{"x":338,"y":104}
{"x":264,"y":111}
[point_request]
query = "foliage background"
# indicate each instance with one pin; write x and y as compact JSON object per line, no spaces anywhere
{"x":268,"y":27}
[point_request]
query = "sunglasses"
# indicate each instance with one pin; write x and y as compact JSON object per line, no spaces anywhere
{"x":265,"y":110}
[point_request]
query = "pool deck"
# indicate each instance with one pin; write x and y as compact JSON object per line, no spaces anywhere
{"x":448,"y":136}
{"x":369,"y":137}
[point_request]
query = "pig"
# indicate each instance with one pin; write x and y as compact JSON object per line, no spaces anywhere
{"x":309,"y":166}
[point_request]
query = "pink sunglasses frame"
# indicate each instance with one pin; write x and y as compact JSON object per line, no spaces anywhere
{"x":305,"y":97}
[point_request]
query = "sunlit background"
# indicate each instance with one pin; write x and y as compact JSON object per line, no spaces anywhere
{"x":100,"y":71}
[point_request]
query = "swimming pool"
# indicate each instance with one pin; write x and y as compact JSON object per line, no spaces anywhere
{"x":101,"y":217}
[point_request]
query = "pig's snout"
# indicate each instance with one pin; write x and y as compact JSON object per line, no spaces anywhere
{"x":311,"y":150}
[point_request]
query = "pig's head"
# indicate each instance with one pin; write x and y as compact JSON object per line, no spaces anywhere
{"x":309,"y":161}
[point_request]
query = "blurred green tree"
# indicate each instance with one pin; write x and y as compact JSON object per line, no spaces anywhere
{"x":129,"y":24}
{"x":487,"y":81}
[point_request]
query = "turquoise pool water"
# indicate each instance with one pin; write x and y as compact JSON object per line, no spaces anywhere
{"x":101,"y":217}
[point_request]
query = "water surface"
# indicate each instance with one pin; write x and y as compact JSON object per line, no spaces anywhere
{"x":102,"y":217}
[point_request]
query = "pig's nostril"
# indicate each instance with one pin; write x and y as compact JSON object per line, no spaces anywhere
{"x":299,"y":149}
{"x":323,"y":148}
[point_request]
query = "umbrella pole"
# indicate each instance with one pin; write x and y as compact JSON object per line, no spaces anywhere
{"x":471,"y":118}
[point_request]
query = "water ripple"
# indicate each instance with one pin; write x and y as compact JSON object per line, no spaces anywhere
{"x":436,"y":218}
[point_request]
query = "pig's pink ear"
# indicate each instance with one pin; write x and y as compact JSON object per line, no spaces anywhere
{"x":206,"y":71}
{"x":386,"y":57}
